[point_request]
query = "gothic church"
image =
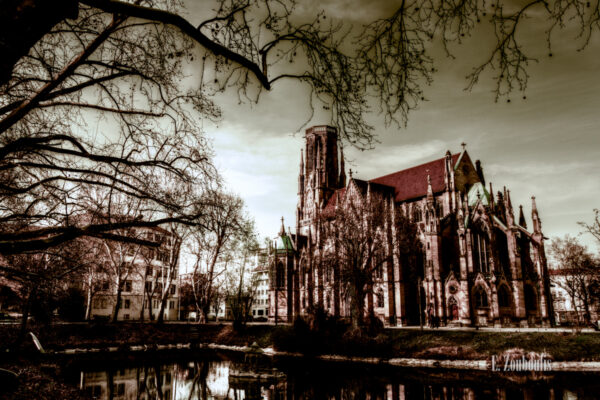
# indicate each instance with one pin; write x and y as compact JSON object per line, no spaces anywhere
{"x":478,"y":264}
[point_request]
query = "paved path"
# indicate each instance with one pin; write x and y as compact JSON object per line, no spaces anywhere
{"x":490,"y":329}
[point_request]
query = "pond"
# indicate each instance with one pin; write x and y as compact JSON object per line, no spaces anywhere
{"x":215,"y":376}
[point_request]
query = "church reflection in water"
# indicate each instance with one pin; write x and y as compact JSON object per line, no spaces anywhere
{"x":210,"y":379}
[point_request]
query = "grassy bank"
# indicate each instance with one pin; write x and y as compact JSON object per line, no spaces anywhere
{"x":468,"y":345}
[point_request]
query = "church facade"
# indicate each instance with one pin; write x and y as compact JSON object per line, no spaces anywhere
{"x":477,"y":264}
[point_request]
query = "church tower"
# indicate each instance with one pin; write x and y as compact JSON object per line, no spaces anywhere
{"x":319,"y":174}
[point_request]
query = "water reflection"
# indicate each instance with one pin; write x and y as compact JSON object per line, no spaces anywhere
{"x":211,"y":379}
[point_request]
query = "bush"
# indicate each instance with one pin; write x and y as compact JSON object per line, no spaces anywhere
{"x":320,"y":333}
{"x":71,"y":305}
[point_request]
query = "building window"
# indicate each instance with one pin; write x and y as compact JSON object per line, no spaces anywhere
{"x":119,"y":389}
{"x":417,"y":214}
{"x":380,"y":299}
{"x":481,"y":252}
{"x":127,"y":286}
{"x":148,"y":286}
{"x":127,"y":304}
{"x":162,"y":256}
{"x":95,"y":391}
{"x":503,"y":296}
{"x":173,"y":289}
{"x":481,"y":300}
{"x":280,"y":275}
{"x":100,"y":303}
{"x":172,"y":304}
{"x":530,"y":298}
{"x":440,"y":210}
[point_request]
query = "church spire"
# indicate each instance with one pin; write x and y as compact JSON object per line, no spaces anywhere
{"x":522,"y":221}
{"x":301,"y":176}
{"x":510,"y":215}
{"x":429,"y":190}
{"x":537,"y":223}
{"x":342,"y":180}
{"x":282,"y":230}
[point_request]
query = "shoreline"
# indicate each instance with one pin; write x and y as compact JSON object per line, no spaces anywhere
{"x":446,"y":349}
{"x":406,"y":362}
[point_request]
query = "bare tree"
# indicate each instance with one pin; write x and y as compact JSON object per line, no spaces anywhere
{"x":593,"y":228}
{"x":241,"y":282}
{"x":579,"y":275}
{"x":355,"y":241}
{"x":40,"y":276}
{"x":391,"y":58}
{"x":98,"y":103}
{"x":359,"y":240}
{"x":171,"y":270}
{"x":225,"y":223}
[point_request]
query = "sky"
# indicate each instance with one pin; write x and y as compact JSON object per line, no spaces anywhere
{"x":546,"y":145}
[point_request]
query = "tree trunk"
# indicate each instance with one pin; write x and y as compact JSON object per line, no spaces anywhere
{"x":161,"y":311}
{"x":586,"y":304}
{"x":90,"y":295}
{"x":25,"y":313}
{"x":117,"y":306}
{"x":357,"y":306}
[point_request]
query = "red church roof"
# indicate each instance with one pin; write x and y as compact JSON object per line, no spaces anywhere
{"x":411,"y":183}
{"x":330,"y":207}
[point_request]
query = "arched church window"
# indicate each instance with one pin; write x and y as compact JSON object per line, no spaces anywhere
{"x":503,"y":296}
{"x":280,"y":275}
{"x":440,"y":210}
{"x":481,"y":300}
{"x":481,"y":251}
{"x":417,"y":214}
{"x":530,"y":298}
{"x":380,"y":299}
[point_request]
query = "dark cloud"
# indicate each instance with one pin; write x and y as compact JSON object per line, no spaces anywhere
{"x":546,"y":145}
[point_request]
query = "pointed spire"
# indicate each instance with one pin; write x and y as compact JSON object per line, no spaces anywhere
{"x":480,"y":172}
{"x":301,"y":176}
{"x":282,"y":230}
{"x":350,"y":173}
{"x":342,"y":179}
{"x":510,"y":215}
{"x":537,"y":223}
{"x":464,"y":146}
{"x":522,"y":221}
{"x":447,"y":167}
{"x":429,"y":189}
